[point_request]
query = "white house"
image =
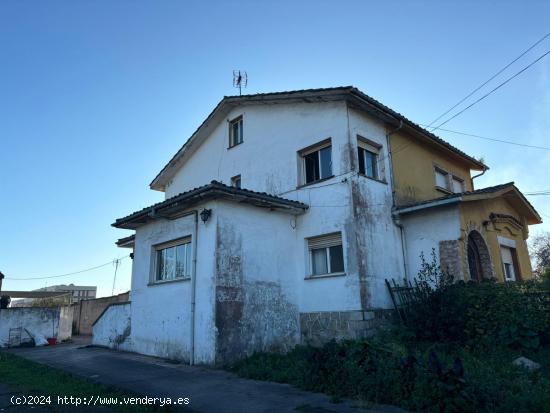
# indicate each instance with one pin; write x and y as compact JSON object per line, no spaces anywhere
{"x":280,"y":224}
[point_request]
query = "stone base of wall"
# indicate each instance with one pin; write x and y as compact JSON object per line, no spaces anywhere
{"x":320,"y":327}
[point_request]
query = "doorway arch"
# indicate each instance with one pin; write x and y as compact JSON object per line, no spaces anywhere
{"x":479,"y":259}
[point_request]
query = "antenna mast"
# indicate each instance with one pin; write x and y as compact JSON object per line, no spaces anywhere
{"x":240,"y":80}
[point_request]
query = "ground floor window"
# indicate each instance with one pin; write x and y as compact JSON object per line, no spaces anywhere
{"x":173,"y":260}
{"x":326,"y":254}
{"x":509,"y":263}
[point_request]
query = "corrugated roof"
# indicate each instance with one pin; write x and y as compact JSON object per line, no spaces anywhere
{"x":318,"y":95}
{"x":212,"y":190}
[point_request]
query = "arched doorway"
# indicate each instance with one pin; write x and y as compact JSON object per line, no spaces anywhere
{"x":479,"y":262}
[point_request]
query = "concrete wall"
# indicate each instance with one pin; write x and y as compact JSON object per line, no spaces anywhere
{"x":86,"y":312}
{"x":413,"y":167}
{"x":425,"y":230}
{"x":48,"y":322}
{"x":267,"y":159}
{"x":475,"y":214}
{"x":113,"y":329}
{"x":161,"y":312}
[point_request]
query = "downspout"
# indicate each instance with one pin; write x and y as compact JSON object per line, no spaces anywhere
{"x":193,"y":283}
{"x":477,"y":176}
{"x":396,"y":221}
{"x":193,"y":289}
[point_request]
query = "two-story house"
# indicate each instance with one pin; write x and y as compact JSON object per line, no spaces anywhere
{"x":284,"y":214}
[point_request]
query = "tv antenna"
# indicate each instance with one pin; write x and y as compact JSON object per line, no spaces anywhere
{"x":240,"y":80}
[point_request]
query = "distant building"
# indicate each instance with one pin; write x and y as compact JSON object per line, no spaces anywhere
{"x":77,"y":293}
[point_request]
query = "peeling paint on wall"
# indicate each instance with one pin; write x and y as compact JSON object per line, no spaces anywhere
{"x":251,"y":315}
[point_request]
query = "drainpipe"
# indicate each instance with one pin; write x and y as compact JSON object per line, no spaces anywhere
{"x":477,"y":176}
{"x":193,"y":284}
{"x":193,"y":289}
{"x":397,"y":221}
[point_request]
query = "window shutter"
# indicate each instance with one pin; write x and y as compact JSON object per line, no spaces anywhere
{"x":325,"y":241}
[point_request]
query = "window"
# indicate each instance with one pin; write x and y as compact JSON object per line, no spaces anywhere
{"x":173,"y":260}
{"x":458,"y":185}
{"x":441,"y":179}
{"x":326,"y":254}
{"x":236,"y":181}
{"x":236,"y":131}
{"x":317,"y":163}
{"x":509,"y":263}
{"x":368,"y":153}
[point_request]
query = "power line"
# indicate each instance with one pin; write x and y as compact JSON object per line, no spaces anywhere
{"x":488,"y":80}
{"x":492,"y":91}
{"x":492,"y":139}
{"x":70,"y":273}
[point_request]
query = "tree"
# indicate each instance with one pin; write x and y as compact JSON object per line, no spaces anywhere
{"x":540,"y":252}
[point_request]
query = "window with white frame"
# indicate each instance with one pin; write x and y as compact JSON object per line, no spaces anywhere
{"x":368,"y":154}
{"x":316,"y":162}
{"x":509,"y":263}
{"x":173,"y":260}
{"x":326,"y":254}
{"x":236,"y":131}
{"x":458,"y":185}
{"x":441,"y":179}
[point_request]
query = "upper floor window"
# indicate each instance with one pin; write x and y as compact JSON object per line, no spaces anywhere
{"x":326,"y":254}
{"x":316,"y":162}
{"x":368,"y":154}
{"x":441,"y":179}
{"x":236,"y":131}
{"x":458,"y":185}
{"x":448,"y":182}
{"x":173,"y":260}
{"x":236,"y":181}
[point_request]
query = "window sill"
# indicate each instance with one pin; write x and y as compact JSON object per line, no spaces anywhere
{"x":331,"y":275}
{"x":315,"y":182}
{"x":177,"y":280}
{"x":232,"y":146}
{"x":444,"y":190}
{"x":382,"y":181}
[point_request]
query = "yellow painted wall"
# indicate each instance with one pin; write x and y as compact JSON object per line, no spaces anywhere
{"x":472,"y":216}
{"x":413,"y":169}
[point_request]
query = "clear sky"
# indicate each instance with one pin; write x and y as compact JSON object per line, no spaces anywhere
{"x":96,"y":96}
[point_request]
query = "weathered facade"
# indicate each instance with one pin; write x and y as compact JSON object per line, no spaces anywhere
{"x":301,"y":254}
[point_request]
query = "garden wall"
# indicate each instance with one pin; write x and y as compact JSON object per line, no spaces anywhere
{"x":48,"y":322}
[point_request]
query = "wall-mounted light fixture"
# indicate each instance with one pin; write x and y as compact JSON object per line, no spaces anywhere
{"x":205,"y":214}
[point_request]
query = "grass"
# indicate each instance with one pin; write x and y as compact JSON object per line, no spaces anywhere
{"x":378,"y":371}
{"x":37,"y":379}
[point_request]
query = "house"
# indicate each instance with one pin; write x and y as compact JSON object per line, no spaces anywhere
{"x":75,"y":293}
{"x":283,"y":215}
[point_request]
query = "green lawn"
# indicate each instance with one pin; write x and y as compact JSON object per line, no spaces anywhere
{"x":37,"y":379}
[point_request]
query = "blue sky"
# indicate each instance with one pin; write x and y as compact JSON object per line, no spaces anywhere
{"x":96,"y":96}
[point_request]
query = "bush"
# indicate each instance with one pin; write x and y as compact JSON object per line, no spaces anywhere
{"x":515,"y":314}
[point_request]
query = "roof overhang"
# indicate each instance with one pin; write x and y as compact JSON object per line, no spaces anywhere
{"x":507,"y":191}
{"x":126,"y":242}
{"x":349,"y":94}
{"x":179,"y":205}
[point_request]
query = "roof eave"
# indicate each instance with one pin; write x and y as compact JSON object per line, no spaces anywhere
{"x":175,"y":208}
